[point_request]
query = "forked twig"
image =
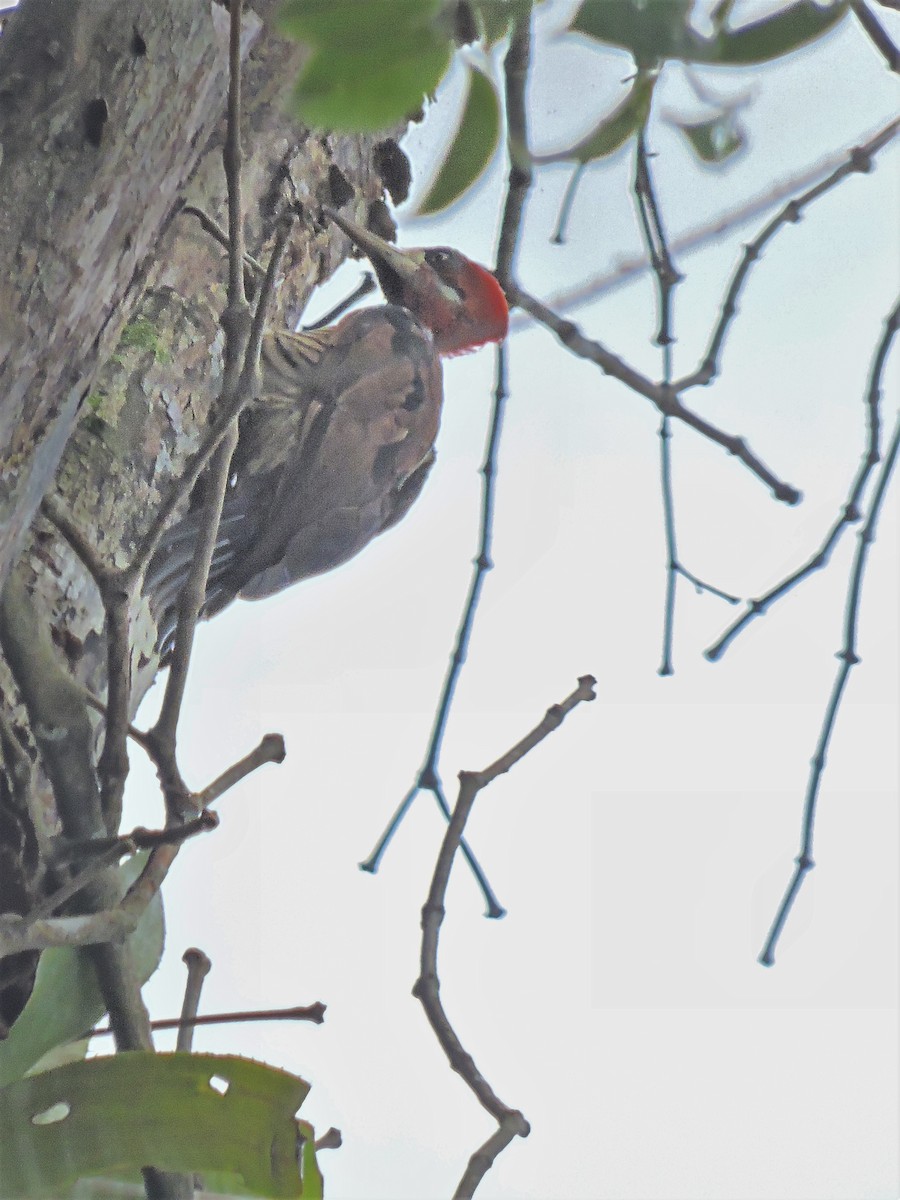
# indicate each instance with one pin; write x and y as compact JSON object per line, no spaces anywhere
{"x":511,"y":1122}
{"x":850,"y":510}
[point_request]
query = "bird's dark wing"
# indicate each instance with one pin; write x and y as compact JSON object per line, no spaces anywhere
{"x":336,"y":450}
{"x":340,"y":484}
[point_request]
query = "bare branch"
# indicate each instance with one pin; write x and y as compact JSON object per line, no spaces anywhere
{"x":663,"y":398}
{"x":315,"y":1013}
{"x":270,"y":750}
{"x":515,"y":70}
{"x":427,"y":986}
{"x":218,"y":234}
{"x":198,"y":966}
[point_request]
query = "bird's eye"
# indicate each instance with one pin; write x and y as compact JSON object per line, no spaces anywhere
{"x":437,"y":258}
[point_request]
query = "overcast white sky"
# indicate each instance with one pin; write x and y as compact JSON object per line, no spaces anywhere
{"x":643,"y":849}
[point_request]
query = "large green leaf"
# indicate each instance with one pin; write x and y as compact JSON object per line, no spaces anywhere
{"x":373,"y":24}
{"x":654,"y":30}
{"x":614,"y":130}
{"x":366,"y":93}
{"x":494,"y":18}
{"x":180,"y":1112}
{"x":651,"y":29}
{"x":66,"y":1000}
{"x":371,"y":64}
{"x":473,"y":144}
{"x":781,"y":33}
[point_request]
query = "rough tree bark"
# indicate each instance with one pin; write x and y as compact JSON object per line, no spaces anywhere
{"x":111,"y":118}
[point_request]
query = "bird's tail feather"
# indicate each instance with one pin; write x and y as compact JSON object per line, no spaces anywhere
{"x":170,"y":565}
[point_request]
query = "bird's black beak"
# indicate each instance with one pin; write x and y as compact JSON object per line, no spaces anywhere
{"x":403,"y":274}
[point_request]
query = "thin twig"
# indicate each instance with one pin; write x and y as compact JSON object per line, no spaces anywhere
{"x":315,"y":1013}
{"x":90,"y":559}
{"x":109,"y":925}
{"x":365,"y":288}
{"x":139,"y":839}
{"x":270,"y":750}
{"x":667,"y":279}
{"x":667,"y":275}
{"x":848,"y":659}
{"x":117,"y":923}
{"x":877,"y":34}
{"x":860,"y":159}
{"x":116,"y":593}
{"x":850,"y":510}
{"x":136,"y":735}
{"x":515,"y":70}
{"x":198,"y":966}
{"x":215,"y":230}
{"x":427,"y":987}
{"x":165,"y":731}
{"x":102,"y":859}
{"x":558,"y":236}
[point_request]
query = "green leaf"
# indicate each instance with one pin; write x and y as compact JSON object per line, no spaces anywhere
{"x":715,"y":140}
{"x":370,"y":25}
{"x":614,"y":130}
{"x":371,"y":64}
{"x":660,"y":29}
{"x":473,"y":145}
{"x":180,"y":1112}
{"x":495,"y":17}
{"x":66,"y":1000}
{"x":313,"y":1183}
{"x":772,"y":37}
{"x":493,"y":21}
{"x":363,"y":93}
{"x":651,"y":29}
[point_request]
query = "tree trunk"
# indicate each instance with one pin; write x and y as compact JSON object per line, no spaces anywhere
{"x":112,"y":118}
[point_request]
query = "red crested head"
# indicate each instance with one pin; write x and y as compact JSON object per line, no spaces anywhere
{"x":460,"y":302}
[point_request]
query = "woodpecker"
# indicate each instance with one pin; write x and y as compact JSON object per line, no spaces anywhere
{"x":338,"y":445}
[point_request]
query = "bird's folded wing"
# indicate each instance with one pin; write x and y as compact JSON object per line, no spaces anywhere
{"x":341,"y":484}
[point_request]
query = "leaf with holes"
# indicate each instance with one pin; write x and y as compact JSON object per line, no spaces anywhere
{"x":180,"y":1112}
{"x":473,"y":145}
